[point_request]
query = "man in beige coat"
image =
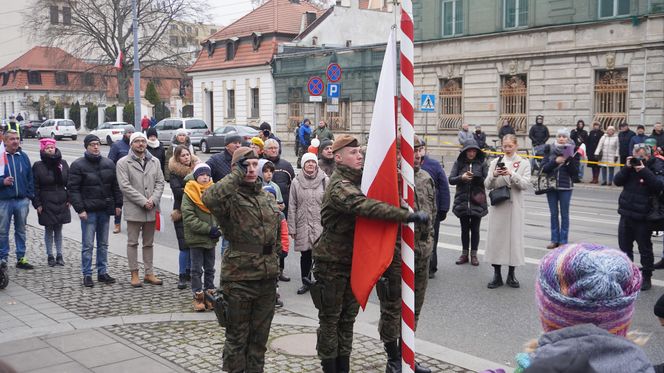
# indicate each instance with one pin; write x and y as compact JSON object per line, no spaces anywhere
{"x":142,"y":183}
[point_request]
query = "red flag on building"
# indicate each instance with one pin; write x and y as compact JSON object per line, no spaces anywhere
{"x":373,"y":248}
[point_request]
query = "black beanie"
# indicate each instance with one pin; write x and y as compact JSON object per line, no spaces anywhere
{"x":88,"y":139}
{"x":151,"y":132}
{"x":659,"y":307}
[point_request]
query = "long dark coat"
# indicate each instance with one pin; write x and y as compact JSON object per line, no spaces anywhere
{"x":50,"y":180}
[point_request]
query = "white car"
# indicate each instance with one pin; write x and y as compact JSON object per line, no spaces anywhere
{"x":110,"y":132}
{"x":57,"y":129}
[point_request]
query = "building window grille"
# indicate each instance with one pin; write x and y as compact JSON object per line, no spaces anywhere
{"x":255,"y":103}
{"x":613,"y":8}
{"x":338,"y":116}
{"x":515,"y":13}
{"x":452,"y":17}
{"x":61,"y":78}
{"x":610,"y":98}
{"x":513,"y":102}
{"x":34,"y":77}
{"x":450,"y":97}
{"x":231,"y":104}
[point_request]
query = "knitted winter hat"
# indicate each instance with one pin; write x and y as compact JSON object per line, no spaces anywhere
{"x":315,"y":143}
{"x":587,"y":283}
{"x":43,"y":143}
{"x":151,"y":132}
{"x":309,"y":157}
{"x":258,"y":142}
{"x":137,"y":135}
{"x":90,"y":138}
{"x":659,"y":307}
{"x":181,"y":131}
{"x":270,"y":189}
{"x":232,"y":137}
{"x":324,"y":144}
{"x":562,"y":132}
{"x":202,"y":169}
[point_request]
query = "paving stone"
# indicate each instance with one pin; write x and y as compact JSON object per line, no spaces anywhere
{"x":104,"y":355}
{"x":141,"y":364}
{"x":23,"y":345}
{"x":71,"y":367}
{"x":79,"y":341}
{"x":35,"y":359}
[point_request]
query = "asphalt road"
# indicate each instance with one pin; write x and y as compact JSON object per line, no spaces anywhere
{"x":460,"y":313}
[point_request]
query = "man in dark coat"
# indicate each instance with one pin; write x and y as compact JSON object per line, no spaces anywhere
{"x":220,"y":163}
{"x":118,"y":150}
{"x":591,"y":145}
{"x":658,"y":134}
{"x":283,"y":170}
{"x":437,"y":173}
{"x":480,"y":137}
{"x":579,"y":135}
{"x":95,"y":195}
{"x":266,"y":133}
{"x":505,"y":129}
{"x":539,"y":135}
{"x":624,"y":137}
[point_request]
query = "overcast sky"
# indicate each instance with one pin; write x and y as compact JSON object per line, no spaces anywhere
{"x":225,"y":12}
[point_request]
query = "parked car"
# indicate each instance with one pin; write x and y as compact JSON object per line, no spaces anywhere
{"x":29,"y":128}
{"x":57,"y":129}
{"x":196,"y":129}
{"x":215,"y":140}
{"x":110,"y":132}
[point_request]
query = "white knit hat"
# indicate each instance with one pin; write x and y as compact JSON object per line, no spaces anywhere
{"x":137,"y":135}
{"x":309,"y":157}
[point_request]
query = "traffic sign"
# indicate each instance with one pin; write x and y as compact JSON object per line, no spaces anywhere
{"x":315,"y":86}
{"x":428,"y":103}
{"x":333,"y":72}
{"x":333,"y":89}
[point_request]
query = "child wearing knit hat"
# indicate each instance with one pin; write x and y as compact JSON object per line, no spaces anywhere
{"x":586,"y":295}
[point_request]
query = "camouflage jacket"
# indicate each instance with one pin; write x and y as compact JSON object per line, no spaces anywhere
{"x":342,"y":202}
{"x":250,"y":221}
{"x":425,"y":201}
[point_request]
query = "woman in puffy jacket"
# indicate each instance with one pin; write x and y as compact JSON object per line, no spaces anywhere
{"x":468,"y":174}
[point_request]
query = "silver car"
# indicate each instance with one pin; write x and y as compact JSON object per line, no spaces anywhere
{"x":217,"y":139}
{"x":196,"y":129}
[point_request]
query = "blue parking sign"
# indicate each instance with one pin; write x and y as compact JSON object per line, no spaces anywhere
{"x":333,"y":90}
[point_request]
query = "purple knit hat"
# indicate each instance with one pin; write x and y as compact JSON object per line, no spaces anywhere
{"x":587,"y":283}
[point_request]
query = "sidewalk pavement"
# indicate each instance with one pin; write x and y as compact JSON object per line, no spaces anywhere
{"x":50,"y":323}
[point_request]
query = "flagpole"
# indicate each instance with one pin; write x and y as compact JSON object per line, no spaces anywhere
{"x":137,"y":71}
{"x":408,"y":176}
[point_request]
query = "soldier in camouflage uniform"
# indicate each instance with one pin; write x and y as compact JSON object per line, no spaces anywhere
{"x":389,"y":286}
{"x":333,"y":252}
{"x":249,"y":220}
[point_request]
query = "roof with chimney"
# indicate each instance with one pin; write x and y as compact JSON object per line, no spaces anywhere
{"x":253,"y":39}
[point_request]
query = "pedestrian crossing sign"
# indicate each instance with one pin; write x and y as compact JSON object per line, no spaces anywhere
{"x":427,"y":103}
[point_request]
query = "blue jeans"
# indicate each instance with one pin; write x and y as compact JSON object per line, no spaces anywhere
{"x":53,"y":233}
{"x":559,"y":228}
{"x":95,"y":225}
{"x":611,"y":171}
{"x":184,"y":261}
{"x":582,"y":169}
{"x":18,"y":208}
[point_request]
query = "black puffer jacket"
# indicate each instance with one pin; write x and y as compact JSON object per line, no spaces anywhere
{"x":50,"y":179}
{"x":93,"y":186}
{"x":220,"y":164}
{"x":463,"y":203}
{"x":638,"y":187}
{"x":283,"y":177}
{"x":539,"y":134}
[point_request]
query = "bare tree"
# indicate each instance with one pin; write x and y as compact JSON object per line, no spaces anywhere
{"x":319,"y":3}
{"x":92,"y":29}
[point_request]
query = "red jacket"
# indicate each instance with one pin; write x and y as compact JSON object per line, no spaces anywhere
{"x":145,"y":123}
{"x":284,"y":236}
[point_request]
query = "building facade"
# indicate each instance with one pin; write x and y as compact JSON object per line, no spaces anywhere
{"x":489,"y":61}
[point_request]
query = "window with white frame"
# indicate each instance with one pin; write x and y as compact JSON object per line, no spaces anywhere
{"x":230,"y":103}
{"x":515,"y":13}
{"x":452,"y":17}
{"x":613,"y":8}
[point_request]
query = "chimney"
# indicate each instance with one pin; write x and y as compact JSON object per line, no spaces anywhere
{"x":307,"y":19}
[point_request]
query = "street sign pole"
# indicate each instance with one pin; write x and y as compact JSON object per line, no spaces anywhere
{"x":137,"y":72}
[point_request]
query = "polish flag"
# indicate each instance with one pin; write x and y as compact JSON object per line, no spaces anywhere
{"x":3,"y":158}
{"x":374,"y":243}
{"x":120,"y":57}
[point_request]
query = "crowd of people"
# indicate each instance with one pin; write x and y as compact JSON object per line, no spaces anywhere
{"x":250,"y":201}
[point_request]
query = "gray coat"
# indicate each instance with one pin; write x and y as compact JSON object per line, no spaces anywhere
{"x":306,"y":198}
{"x":138,"y":184}
{"x":606,"y":353}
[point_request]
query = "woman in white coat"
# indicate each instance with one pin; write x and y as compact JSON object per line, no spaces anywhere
{"x":608,"y":148}
{"x":506,"y":220}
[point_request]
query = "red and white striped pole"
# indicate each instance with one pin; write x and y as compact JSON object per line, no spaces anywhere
{"x":408,"y":177}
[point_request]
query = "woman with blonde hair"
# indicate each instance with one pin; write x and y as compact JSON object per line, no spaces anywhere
{"x":508,"y":175}
{"x":607,"y":151}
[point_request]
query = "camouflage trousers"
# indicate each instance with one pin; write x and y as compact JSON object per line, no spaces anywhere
{"x":388,"y":289}
{"x":249,"y":313}
{"x":337,"y":309}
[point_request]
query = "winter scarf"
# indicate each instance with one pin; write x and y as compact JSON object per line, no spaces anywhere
{"x":194,"y":191}
{"x":53,"y":162}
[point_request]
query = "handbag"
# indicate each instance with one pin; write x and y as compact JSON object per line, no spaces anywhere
{"x":545,"y":183}
{"x":499,"y":195}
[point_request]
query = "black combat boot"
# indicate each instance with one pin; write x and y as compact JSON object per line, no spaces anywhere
{"x":329,"y":365}
{"x":393,"y":357}
{"x":511,"y":280}
{"x":343,"y":364}
{"x":497,"y":278}
{"x":182,"y":282}
{"x":421,"y":369}
{"x":646,"y":284}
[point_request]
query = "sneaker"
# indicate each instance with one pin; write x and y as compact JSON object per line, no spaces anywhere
{"x":105,"y":278}
{"x":51,"y":261}
{"x":23,"y":264}
{"x":87,"y":282}
{"x":59,"y":261}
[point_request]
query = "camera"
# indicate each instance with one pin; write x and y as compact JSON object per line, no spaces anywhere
{"x":266,"y":133}
{"x":635,"y":161}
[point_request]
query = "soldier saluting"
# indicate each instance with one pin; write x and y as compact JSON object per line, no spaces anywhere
{"x":333,"y":253}
{"x":249,"y":220}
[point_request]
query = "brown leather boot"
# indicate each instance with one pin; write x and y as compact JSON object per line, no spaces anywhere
{"x":117,"y":228}
{"x":152,"y":279}
{"x":135,"y":281}
{"x":463,"y":259}
{"x":208,"y":303}
{"x":199,"y":302}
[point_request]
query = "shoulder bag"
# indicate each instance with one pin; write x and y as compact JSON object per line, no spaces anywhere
{"x":500,"y":195}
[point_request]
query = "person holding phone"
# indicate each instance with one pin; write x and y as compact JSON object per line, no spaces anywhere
{"x":470,"y":204}
{"x":607,"y":152}
{"x":562,"y":163}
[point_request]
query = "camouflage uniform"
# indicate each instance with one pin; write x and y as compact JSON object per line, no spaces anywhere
{"x":389,"y":286}
{"x":249,"y":219}
{"x":332,"y":254}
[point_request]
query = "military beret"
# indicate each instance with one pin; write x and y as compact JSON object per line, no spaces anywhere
{"x":344,"y":141}
{"x":244,"y":153}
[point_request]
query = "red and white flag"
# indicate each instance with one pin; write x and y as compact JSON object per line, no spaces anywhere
{"x":120,"y":57}
{"x":3,"y":158}
{"x":374,"y":243}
